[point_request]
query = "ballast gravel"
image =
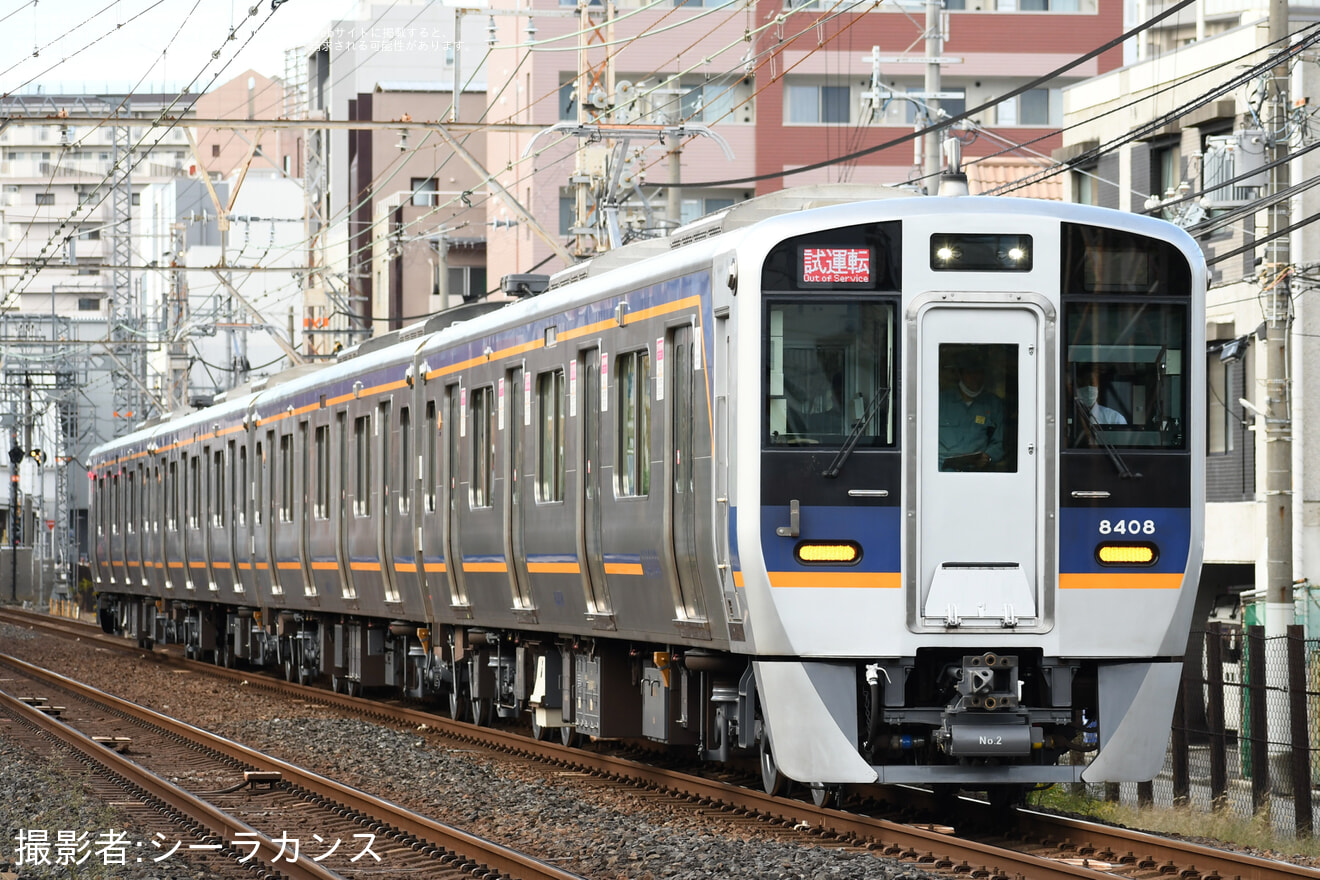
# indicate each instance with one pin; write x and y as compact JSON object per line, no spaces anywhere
{"x":582,"y":825}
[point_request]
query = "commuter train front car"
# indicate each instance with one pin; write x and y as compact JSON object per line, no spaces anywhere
{"x":902,"y":490}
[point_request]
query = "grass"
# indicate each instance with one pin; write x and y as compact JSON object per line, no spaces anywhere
{"x":1254,"y":833}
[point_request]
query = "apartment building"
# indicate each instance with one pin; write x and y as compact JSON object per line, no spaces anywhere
{"x":402,"y":45}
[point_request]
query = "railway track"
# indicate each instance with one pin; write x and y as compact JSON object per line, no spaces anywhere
{"x":1039,"y":845}
{"x":227,"y":799}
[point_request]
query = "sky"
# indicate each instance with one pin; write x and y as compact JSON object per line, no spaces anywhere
{"x":164,"y":43}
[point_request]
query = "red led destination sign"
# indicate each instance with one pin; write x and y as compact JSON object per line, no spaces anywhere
{"x":836,"y":265}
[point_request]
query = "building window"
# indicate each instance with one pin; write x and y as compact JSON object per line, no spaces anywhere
{"x":568,"y":101}
{"x":468,"y":282}
{"x":713,"y":101}
{"x":550,"y":399}
{"x":482,"y":405}
{"x":1219,"y":408}
{"x":91,"y":234}
{"x":1038,"y":107}
{"x":633,"y":386}
{"x":695,"y":209}
{"x":89,"y":304}
{"x":1086,"y":187}
{"x":215,"y":150}
{"x":423,"y":191}
{"x":1034,"y":107}
{"x":136,"y":199}
{"x":810,"y":105}
{"x":567,"y":212}
{"x":45,"y":198}
{"x":1165,"y":168}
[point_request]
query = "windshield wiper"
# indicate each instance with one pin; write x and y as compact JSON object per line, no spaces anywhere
{"x":1119,"y":464}
{"x":854,"y":435}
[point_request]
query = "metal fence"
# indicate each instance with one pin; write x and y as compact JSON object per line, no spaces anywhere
{"x":1246,"y":729}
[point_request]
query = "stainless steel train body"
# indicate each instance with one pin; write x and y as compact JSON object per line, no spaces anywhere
{"x":711,"y":491}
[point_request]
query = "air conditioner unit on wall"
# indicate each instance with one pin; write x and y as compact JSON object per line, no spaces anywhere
{"x":1228,"y":157}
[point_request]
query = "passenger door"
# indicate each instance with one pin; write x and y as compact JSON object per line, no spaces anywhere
{"x":682,"y":486}
{"x":590,"y":545}
{"x":979,"y":529}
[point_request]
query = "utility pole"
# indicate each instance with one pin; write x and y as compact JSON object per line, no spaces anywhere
{"x":15,"y":456}
{"x":1278,"y":420}
{"x":595,"y":88}
{"x":934,"y":49}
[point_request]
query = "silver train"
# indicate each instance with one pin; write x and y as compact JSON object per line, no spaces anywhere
{"x":895,"y":490}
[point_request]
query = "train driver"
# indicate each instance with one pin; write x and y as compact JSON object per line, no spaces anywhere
{"x":1088,"y":395}
{"x":1088,"y":406}
{"x":971,"y":420}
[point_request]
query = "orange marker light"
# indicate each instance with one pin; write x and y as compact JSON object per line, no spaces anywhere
{"x":1126,"y":554}
{"x":842,"y":552}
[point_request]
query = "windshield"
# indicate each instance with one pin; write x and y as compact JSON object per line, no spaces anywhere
{"x":1125,"y":378}
{"x":827,"y":363}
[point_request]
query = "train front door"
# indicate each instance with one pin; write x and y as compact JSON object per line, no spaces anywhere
{"x":979,"y":467}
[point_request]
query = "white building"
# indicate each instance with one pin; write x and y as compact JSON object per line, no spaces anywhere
{"x":226,"y":323}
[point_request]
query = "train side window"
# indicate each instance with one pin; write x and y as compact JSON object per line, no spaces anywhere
{"x":258,"y":483}
{"x":632,"y":468}
{"x":430,"y":440}
{"x":405,"y":488}
{"x":1125,"y":384}
{"x":321,"y":500}
{"x":218,"y":498}
{"x":114,"y":505}
{"x":131,"y":499}
{"x":481,"y":403}
{"x":978,"y":408}
{"x":172,"y":496}
{"x":243,"y":486}
{"x":362,"y":466}
{"x":550,"y":401}
{"x":286,"y":478}
{"x":195,"y":492}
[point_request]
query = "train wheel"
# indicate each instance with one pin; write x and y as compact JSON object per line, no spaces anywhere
{"x":539,"y":733}
{"x":353,"y":688}
{"x":290,"y":664}
{"x":568,"y":735}
{"x":336,"y":684}
{"x":771,"y":779}
{"x":457,"y":704}
{"x":823,"y":795}
{"x":482,"y":713}
{"x":1006,"y":798}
